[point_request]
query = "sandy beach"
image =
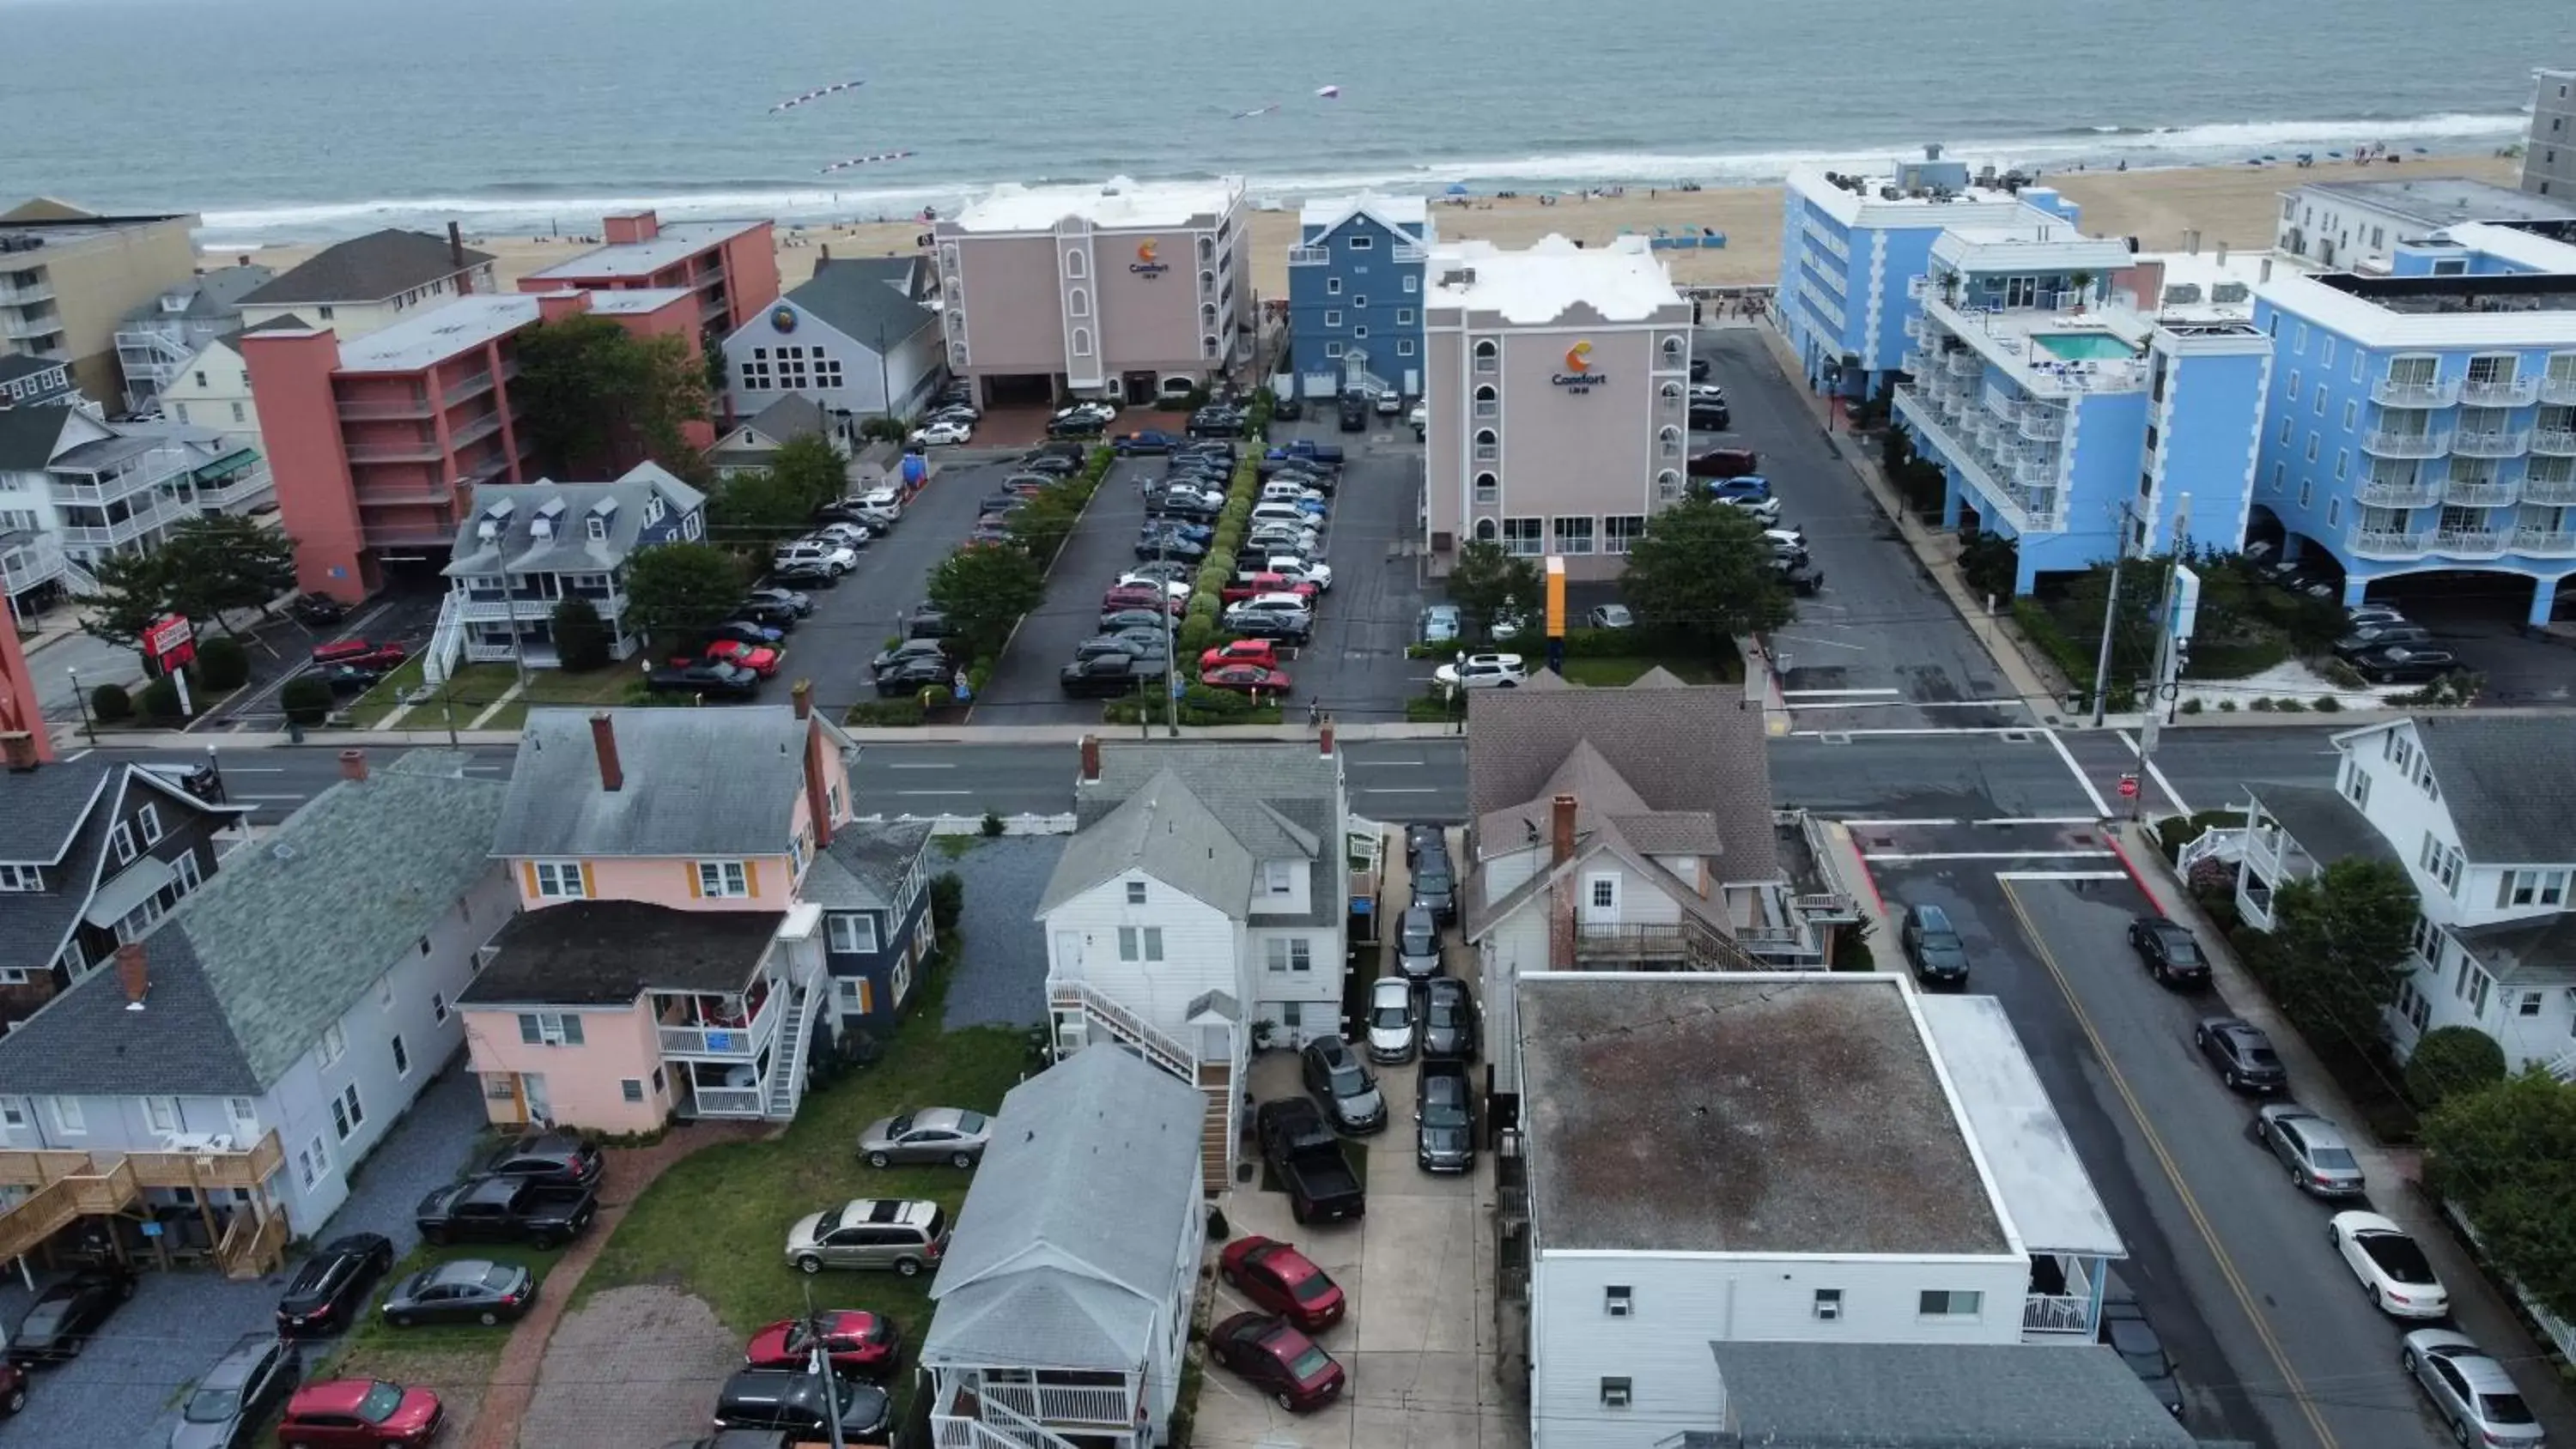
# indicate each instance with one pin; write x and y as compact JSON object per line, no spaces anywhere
{"x":2231,"y":204}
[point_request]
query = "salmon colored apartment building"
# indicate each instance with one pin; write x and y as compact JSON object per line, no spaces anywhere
{"x":378,"y":442}
{"x":731,"y":267}
{"x":21,"y":712}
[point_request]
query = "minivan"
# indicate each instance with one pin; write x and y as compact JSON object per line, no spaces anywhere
{"x":1417,"y":951}
{"x":908,"y":1237}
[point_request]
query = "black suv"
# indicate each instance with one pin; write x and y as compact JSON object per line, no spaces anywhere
{"x":1355,"y":415}
{"x":2172,"y":956}
{"x":1342,"y":1085}
{"x":1448,"y":1020}
{"x":2242,"y":1054}
{"x":559,"y":1158}
{"x":237,"y":1394}
{"x":331,"y":1288}
{"x":792,"y":1399}
{"x":1933,"y":947}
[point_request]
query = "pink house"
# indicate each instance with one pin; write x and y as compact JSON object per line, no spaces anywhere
{"x":664,"y":963}
{"x":730,"y":267}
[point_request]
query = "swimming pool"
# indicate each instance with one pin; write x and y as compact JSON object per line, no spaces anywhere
{"x":2085,"y":346}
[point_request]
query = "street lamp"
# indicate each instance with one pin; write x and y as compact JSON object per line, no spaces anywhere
{"x":89,"y":731}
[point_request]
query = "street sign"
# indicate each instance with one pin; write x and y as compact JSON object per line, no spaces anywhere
{"x":171,"y":641}
{"x":2128,"y":787}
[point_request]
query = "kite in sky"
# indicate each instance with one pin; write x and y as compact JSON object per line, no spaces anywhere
{"x":864,"y":161}
{"x":793,"y":102}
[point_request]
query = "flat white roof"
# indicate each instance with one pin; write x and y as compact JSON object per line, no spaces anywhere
{"x":2041,"y":1181}
{"x":2206,"y":271}
{"x":416,"y":342}
{"x":1119,"y":203}
{"x":1970,"y":206}
{"x":678,"y":240}
{"x":2053,"y":246}
{"x":629,"y":301}
{"x":2372,"y":325}
{"x":2516,"y":245}
{"x":1624,"y":281}
{"x":1326,"y":211}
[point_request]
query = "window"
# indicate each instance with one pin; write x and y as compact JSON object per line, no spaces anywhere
{"x":1950,"y":1303}
{"x":1360,"y":302}
{"x":1573,"y":535}
{"x":2312,"y":447}
{"x":723,"y":878}
{"x":2351,"y":412}
{"x":1278,"y":878}
{"x":1073,"y":264}
{"x":559,"y":880}
{"x":1140,"y":943}
{"x":1489,"y":445}
{"x":69,"y":1119}
{"x":2526,"y":1003}
{"x":2299,"y":344}
{"x":1617,"y":1393}
{"x":1077,"y":303}
{"x":550,"y":1028}
{"x":2304,"y":488}
{"x":1404,"y":347}
{"x":658,"y":1087}
{"x":1403,"y":316}
{"x":1082,"y":342}
{"x":1412,"y":285}
{"x":1488,"y":401}
{"x":21,"y":878}
{"x":1359,"y":331}
{"x":1332,"y":288}
{"x":1672,"y":351}
{"x":1525,"y":537}
{"x":1333,"y":317}
{"x":1362,"y":243}
{"x":1829,"y":1305}
{"x":161,"y":1114}
{"x":438,"y":1008}
{"x":13,"y":1112}
{"x":312,"y":1161}
{"x":335,"y":1044}
{"x":2325,"y":344}
{"x":2343,"y":463}
{"x":2285,"y":431}
{"x":1618,"y":1300}
{"x":402,"y":1058}
{"x":2531,"y":888}
{"x":1603,"y":892}
{"x":2334,"y":512}
{"x":123,"y":840}
{"x":323,"y":312}
{"x":346,"y":1112}
{"x":631,"y":1089}
{"x":1135,"y":893}
{"x":1489,"y":489}
{"x":1290,"y":953}
{"x":1332,"y":349}
{"x":2278,"y":471}
{"x":2320,"y":408}
{"x":852,"y":932}
{"x":2358,"y":787}
{"x":2474,"y":985}
{"x":149,"y":817}
{"x":1488,"y":356}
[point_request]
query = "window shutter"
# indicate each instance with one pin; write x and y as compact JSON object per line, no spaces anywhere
{"x":867,"y":996}
{"x":588,"y":891}
{"x":691,"y":867}
{"x":751,"y":875}
{"x":528,"y":870}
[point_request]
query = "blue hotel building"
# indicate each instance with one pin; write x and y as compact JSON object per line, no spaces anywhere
{"x":1355,"y":293}
{"x":2424,"y":421}
{"x":1850,"y":245}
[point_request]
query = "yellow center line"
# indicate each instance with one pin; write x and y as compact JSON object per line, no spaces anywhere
{"x":2173,"y":1173}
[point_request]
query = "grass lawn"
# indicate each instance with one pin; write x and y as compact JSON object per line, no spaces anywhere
{"x":1614,"y":671}
{"x":715,"y":1224}
{"x":369,"y":709}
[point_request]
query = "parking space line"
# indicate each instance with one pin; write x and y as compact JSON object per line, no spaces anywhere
{"x":2101,"y":808}
{"x":1838,"y":693}
{"x":1912,"y":855}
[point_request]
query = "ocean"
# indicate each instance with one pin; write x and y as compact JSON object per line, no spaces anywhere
{"x":311,"y":119}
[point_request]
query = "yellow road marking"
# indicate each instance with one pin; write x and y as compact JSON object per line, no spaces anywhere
{"x":2173,"y":1174}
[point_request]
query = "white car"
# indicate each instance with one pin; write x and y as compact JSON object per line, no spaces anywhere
{"x":1290,"y":493}
{"x":1297,"y":570}
{"x":838,"y":558}
{"x":1173,"y":587}
{"x":938,"y":434}
{"x":2395,"y":1272}
{"x":1420,"y":417}
{"x":1707,"y":392}
{"x":889,"y":499}
{"x":1785,"y":541}
{"x":1391,"y":1020}
{"x":1610,"y":616}
{"x":1482,"y":671}
{"x":1283,"y":536}
{"x":1765,"y":511}
{"x":874,"y":520}
{"x":1107,"y":412}
{"x":846,"y":533}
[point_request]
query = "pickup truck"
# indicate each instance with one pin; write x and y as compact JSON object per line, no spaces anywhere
{"x":1149,"y":440}
{"x":1307,"y":1159}
{"x":497,"y":1208}
{"x":1328,"y":454}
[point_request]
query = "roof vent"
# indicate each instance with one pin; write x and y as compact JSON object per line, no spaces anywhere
{"x":282,"y":851}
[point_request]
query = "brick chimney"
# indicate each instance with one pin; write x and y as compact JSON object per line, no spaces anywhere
{"x":603,"y":739}
{"x":134,"y":973}
{"x":18,"y":747}
{"x":1562,"y":834}
{"x":803,"y":697}
{"x":1091,"y":759}
{"x":818,"y":797}
{"x":353,"y":765}
{"x":1324,"y":740}
{"x":456,"y":257}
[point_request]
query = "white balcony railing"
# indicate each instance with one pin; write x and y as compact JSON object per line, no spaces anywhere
{"x":2545,"y":542}
{"x":2420,"y":493}
{"x":2510,"y":392}
{"x":1309,"y":256}
{"x":2460,"y":494}
{"x":2471,"y":542}
{"x":1406,"y":253}
{"x":2557,"y":491}
{"x":2388,"y":542}
{"x":2041,"y":420}
{"x":2035,"y":471}
{"x":727,"y":1043}
{"x":2001,"y":404}
{"x":1964,"y":364}
{"x":2554,"y":442}
{"x":2491,"y":442}
{"x":2558,"y":389}
{"x":2393,"y":443}
{"x":727,"y":1101}
{"x":32,"y":560}
{"x":2440,"y":392}
{"x":26,"y":294}
{"x":2057,"y":1313}
{"x":1917,"y":288}
{"x":138,"y":478}
{"x":1064,"y":1403}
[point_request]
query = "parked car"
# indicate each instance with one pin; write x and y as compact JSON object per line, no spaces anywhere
{"x":2472,"y":1392}
{"x":942,"y":434}
{"x":907,"y":1236}
{"x":2404,"y":663}
{"x":1417,"y":933}
{"x":67,"y":1312}
{"x":2367,"y":637}
{"x":1342,"y":1085}
{"x":929,"y":1134}
{"x":2167,"y":947}
{"x":1764,"y":511}
{"x":562,"y":1158}
{"x":1444,"y":1116}
{"x":361,"y":654}
{"x":1111,"y":676}
{"x":2319,"y":1160}
{"x":1933,"y":948}
{"x":1440,"y":623}
{"x":2363,"y":616}
{"x":1275,"y":1357}
{"x":837,"y":559}
{"x":1307,"y":1159}
{"x":1290,"y":408}
{"x":804,"y":571}
{"x":765,"y":614}
{"x":1710,"y":417}
{"x":1803,"y":578}
{"x":1077,"y":425}
{"x":352,"y":679}
{"x":1354,"y":415}
{"x":1725,"y":463}
{"x":1146,"y":597}
{"x":914,"y":674}
{"x":328,"y":1291}
{"x":1148,"y":440}
{"x":505,"y":1209}
{"x":714,"y":680}
{"x":1057,"y":465}
{"x":853,"y":1340}
{"x":1275,"y":1276}
{"x":848,"y":535}
{"x":1610,"y":616}
{"x":360,"y":1414}
{"x":2391,"y":1265}
{"x":1390,"y":405}
{"x":1420,"y":420}
{"x":1286,"y":625}
{"x":1392,"y":1021}
{"x":761,"y":659}
{"x":2242,"y":1054}
{"x":235,"y":1396}
{"x":906,"y":652}
{"x":1247,"y":679}
{"x":748,"y":631}
{"x":1256,"y":585}
{"x":1119,"y":621}
{"x":462,"y":1290}
{"x":1448,"y":1020}
{"x":2125,"y":1328}
{"x":1166,"y":577}
{"x":927,"y":621}
{"x":1300,"y":572}
{"x":1482,"y":671}
{"x":1169,"y":546}
{"x":1141,"y":643}
{"x":1435,"y":888}
{"x":795,"y":1400}
{"x":1742,"y":485}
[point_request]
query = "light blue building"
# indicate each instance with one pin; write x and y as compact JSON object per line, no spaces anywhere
{"x":1355,"y":295}
{"x":2425,"y":421}
{"x":2083,"y":400}
{"x":1850,"y":245}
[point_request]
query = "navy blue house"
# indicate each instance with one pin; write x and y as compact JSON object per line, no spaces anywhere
{"x":1355,"y":296}
{"x":873,"y":883}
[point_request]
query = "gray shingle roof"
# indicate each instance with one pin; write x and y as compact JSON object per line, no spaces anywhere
{"x":1068,"y":1242}
{"x":514,"y":546}
{"x":28,"y":437}
{"x":42,"y":809}
{"x":1939,"y":1396}
{"x":35,"y":925}
{"x":86,"y":1044}
{"x":698,"y":783}
{"x":2323,"y":822}
{"x":2509,"y":782}
{"x":791,"y":417}
{"x":369,"y":268}
{"x":863,"y":302}
{"x":1166,"y":831}
{"x":863,"y":869}
{"x":2527,"y":953}
{"x":1246,"y":785}
{"x":14,"y":366}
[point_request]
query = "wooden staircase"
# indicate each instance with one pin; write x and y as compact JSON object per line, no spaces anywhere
{"x":1214,"y":1079}
{"x":1217,"y":1139}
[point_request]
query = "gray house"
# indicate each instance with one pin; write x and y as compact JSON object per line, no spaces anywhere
{"x":873,"y":883}
{"x":858,"y":339}
{"x":1929,"y":1396}
{"x":527,"y":547}
{"x":248,"y":1053}
{"x":754,"y":442}
{"x":1062,"y":1308}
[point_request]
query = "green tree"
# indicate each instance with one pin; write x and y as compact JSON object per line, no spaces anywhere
{"x":221,"y":563}
{"x":581,"y":637}
{"x":2506,"y":1156}
{"x":1703,"y":571}
{"x":756,"y":509}
{"x":1046,"y":521}
{"x":2332,"y":959}
{"x":813,"y":469}
{"x":306,"y":700}
{"x":599,"y":398}
{"x":159,"y":699}
{"x":1488,"y":583}
{"x":111,"y":704}
{"x":947,"y":900}
{"x":133,"y":590}
{"x":984,"y":591}
{"x":677,"y":589}
{"x":222,"y":664}
{"x":2449,"y":1061}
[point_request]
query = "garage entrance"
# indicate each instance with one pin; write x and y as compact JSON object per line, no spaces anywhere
{"x":1021,"y":389}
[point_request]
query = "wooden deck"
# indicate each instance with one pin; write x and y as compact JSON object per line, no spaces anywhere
{"x":74,"y":1185}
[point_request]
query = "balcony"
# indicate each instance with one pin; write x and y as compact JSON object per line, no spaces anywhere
{"x":2438,"y":392}
{"x":1910,"y":363}
{"x":2508,"y":392}
{"x":1917,"y":288}
{"x":1309,"y":256}
{"x":2393,"y":443}
{"x":2058,"y":1313}
{"x":2035,"y":471}
{"x":2042,"y":422}
{"x":475,"y":430}
{"x":1964,"y":365}
{"x":2545,"y":542}
{"x":422,"y":450}
{"x":26,"y":294}
{"x":1828,"y":243}
{"x":2491,"y":443}
{"x":2388,"y":542}
{"x":2471,"y":542}
{"x":1406,"y":253}
{"x":29,"y":559}
{"x":465,"y":387}
{"x":371,"y":409}
{"x":2558,"y":389}
{"x":2556,"y":491}
{"x":2418,"y":493}
{"x":2554,"y":442}
{"x":736,"y":1042}
{"x":124,"y":481}
{"x":2001,"y":404}
{"x":2460,"y":494}
{"x":27,"y":329}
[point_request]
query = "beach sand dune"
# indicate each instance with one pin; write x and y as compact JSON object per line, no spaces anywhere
{"x":2231,"y":204}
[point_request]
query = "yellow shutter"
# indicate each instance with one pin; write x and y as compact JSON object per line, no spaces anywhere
{"x":867,"y":996}
{"x":588,"y":890}
{"x":528,"y":869}
{"x":691,"y":867}
{"x":751,"y":875}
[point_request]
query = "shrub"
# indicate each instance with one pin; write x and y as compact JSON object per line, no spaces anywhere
{"x":2227,"y":706}
{"x":2327,"y":704}
{"x":159,"y":699}
{"x":2291,"y":706}
{"x":947,"y":900}
{"x":2449,"y":1061}
{"x":895,"y":713}
{"x":2191,"y":706}
{"x":581,"y":638}
{"x":306,"y":700}
{"x":222,"y":664}
{"x":1195,"y":637}
{"x":2262,"y":704}
{"x":111,"y":704}
{"x":992,"y":825}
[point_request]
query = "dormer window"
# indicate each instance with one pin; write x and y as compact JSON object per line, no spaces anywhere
{"x":21,"y":877}
{"x":598,"y":529}
{"x":653,"y":508}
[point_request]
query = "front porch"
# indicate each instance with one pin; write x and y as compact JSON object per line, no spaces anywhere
{"x":1008,"y":1408}
{"x":2291,"y":833}
{"x":741,"y":1053}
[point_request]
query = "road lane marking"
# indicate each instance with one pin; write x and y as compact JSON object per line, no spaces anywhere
{"x":2101,"y":810}
{"x":76,"y":759}
{"x":1400,"y":790}
{"x":934,"y":792}
{"x":232,"y":769}
{"x":271,"y":797}
{"x":2298,"y":1391}
{"x":1909,"y":855}
{"x":1924,"y":820}
{"x":2157,"y":774}
{"x":922,"y":767}
{"x":1928,"y":730}
{"x":1377,"y":764}
{"x":1990,"y":821}
{"x":1820,"y":643}
{"x":2061,"y":875}
{"x":1838,"y":693}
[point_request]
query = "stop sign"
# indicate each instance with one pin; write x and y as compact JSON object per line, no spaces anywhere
{"x":2128,"y":787}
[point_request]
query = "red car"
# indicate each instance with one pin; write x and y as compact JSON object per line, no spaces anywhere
{"x":1249,"y":678}
{"x":760,"y":659}
{"x":1247,"y":585}
{"x":13,"y":1388}
{"x":360,"y":1414}
{"x":1276,"y":1276}
{"x":1273,"y":1356}
{"x":859,"y":1342}
{"x":1263,"y":652}
{"x":360,"y":653}
{"x":1141,"y":596}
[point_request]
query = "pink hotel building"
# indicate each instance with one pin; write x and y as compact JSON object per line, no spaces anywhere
{"x":377,"y":443}
{"x":731,"y":266}
{"x":1119,"y":290}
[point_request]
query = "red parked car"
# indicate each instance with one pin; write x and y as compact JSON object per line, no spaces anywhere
{"x":13,"y":1388}
{"x":1141,"y":596}
{"x":1263,"y":652}
{"x":1247,"y":585}
{"x":760,"y":659}
{"x":858,"y":1342}
{"x":360,"y":1414}
{"x":1276,"y":1276}
{"x":1274,"y":1357}
{"x":361,"y":653}
{"x":1249,"y":678}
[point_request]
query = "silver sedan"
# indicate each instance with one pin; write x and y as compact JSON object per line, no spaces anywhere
{"x":928,"y":1134}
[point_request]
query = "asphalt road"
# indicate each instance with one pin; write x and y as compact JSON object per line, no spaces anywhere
{"x":2004,"y":774}
{"x":1024,"y":688}
{"x":1355,"y":669}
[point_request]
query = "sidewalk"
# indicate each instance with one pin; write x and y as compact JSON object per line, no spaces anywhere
{"x":69,"y":740}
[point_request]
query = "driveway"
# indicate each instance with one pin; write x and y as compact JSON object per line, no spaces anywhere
{"x":1355,"y":669}
{"x":2479,"y":617}
{"x":999,"y":978}
{"x":1023,"y":688}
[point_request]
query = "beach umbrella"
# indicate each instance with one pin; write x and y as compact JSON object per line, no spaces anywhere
{"x":1330,"y":93}
{"x":792,"y":102}
{"x":864,"y":161}
{"x":1457,"y":188}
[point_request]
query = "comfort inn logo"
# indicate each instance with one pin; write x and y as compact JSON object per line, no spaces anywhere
{"x":1578,"y":375}
{"x":1145,"y":264}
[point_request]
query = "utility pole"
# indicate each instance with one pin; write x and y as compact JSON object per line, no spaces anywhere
{"x":1171,"y":664}
{"x":2171,"y":650}
{"x":2110,"y":617}
{"x":831,"y":1378}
